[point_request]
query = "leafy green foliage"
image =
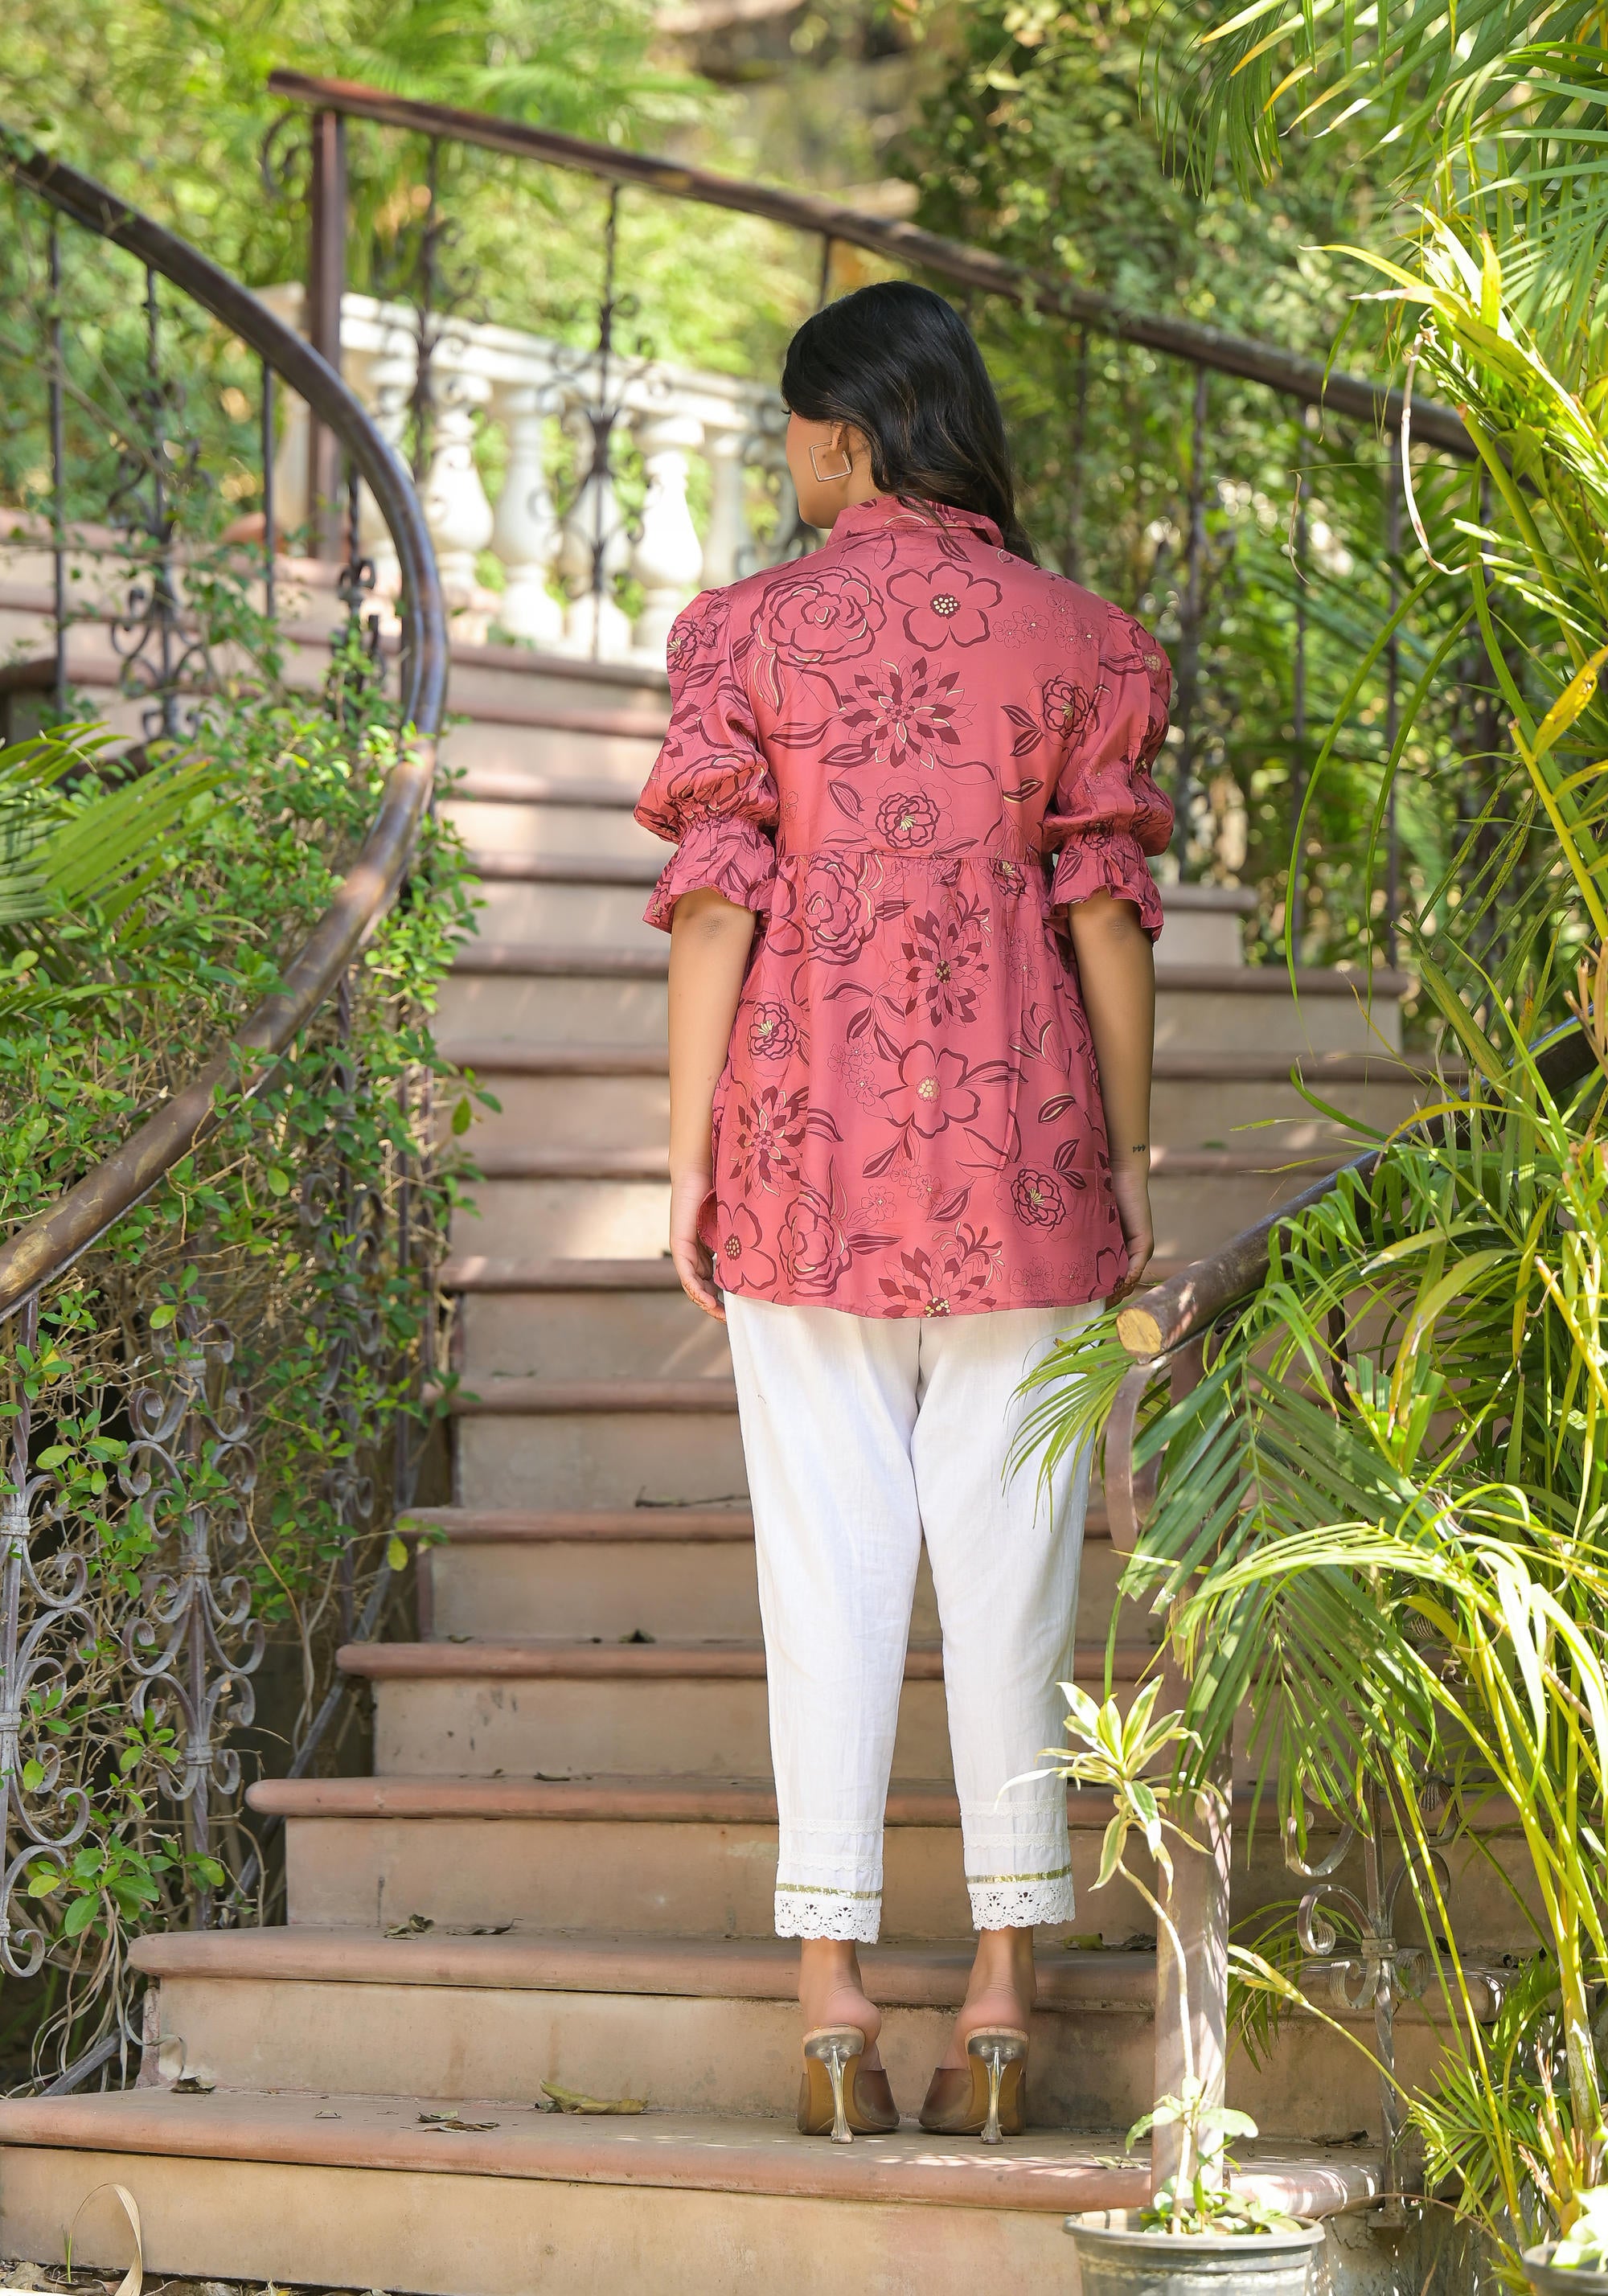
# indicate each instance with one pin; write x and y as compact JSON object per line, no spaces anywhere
{"x":283,"y":1226}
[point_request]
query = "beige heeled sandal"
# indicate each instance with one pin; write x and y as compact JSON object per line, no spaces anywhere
{"x":838,"y":2097}
{"x":986,"y":2097}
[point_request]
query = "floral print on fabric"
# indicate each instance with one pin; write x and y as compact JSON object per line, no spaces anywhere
{"x":910,"y":753}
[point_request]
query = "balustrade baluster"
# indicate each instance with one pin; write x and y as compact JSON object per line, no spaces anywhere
{"x":525,"y":532}
{"x":596,"y":544}
{"x":390,"y":379}
{"x":455,"y":508}
{"x":668,"y":558}
{"x":728,"y":542}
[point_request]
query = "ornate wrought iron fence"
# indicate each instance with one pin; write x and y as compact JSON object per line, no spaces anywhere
{"x":1157,"y":458}
{"x":170,"y":1342}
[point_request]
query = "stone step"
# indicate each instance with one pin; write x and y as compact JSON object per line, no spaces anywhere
{"x":696,"y":1856}
{"x":578,"y":816}
{"x":625,"y":1459}
{"x":575,"y":996}
{"x":509,"y":682}
{"x":612,"y":1096}
{"x":551,"y":897}
{"x":674,"y":1857}
{"x":689,"y":1709}
{"x":682,"y":1573}
{"x":688,"y":2025}
{"x":354,"y":2192}
{"x":545,"y":741}
{"x":545,"y":1208}
{"x":588,"y":1334}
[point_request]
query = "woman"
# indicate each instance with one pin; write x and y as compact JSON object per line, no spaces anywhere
{"x":911,"y":1014}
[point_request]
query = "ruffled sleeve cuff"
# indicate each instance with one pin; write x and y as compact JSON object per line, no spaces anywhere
{"x":724,"y":854}
{"x":1110,"y":861}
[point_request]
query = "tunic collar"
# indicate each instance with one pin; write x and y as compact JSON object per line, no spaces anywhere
{"x":887,"y":511}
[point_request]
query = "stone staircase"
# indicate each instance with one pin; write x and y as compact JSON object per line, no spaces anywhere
{"x":561,"y":1869}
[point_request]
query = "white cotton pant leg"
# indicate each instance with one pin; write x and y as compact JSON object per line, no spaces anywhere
{"x":861,"y":1435}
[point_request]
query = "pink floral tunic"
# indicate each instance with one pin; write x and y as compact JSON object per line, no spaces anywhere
{"x":908,"y":753}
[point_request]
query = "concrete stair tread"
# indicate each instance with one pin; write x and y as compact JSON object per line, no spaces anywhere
{"x":512,"y":1393}
{"x":601,"y":1526}
{"x":485,"y":1272}
{"x":759,"y":1969}
{"x":566,"y":868}
{"x":1047,"y":2173}
{"x":508,"y":785}
{"x":534,"y":1659}
{"x":606,"y":1526}
{"x":617,"y":1798}
{"x":557,"y":959}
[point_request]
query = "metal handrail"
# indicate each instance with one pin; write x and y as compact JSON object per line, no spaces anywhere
{"x":1182,"y":1309}
{"x":1308,"y":380}
{"x":50,"y":1244}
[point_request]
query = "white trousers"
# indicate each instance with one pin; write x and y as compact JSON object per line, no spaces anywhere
{"x":861,"y":1436}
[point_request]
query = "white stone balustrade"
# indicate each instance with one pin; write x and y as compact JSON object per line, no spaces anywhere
{"x":560,"y":574}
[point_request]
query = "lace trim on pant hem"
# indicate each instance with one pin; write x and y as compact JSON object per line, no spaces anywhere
{"x":1003,"y":1904}
{"x":854,"y":1916}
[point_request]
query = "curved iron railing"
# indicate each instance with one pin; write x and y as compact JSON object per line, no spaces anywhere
{"x":188,"y":1641}
{"x":49,"y":1246}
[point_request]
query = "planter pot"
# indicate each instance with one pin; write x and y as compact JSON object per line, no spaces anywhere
{"x":1553,"y":2280}
{"x":1116,"y":2259}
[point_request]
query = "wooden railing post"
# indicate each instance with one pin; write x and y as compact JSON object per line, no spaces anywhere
{"x":326,"y":287}
{"x":1193,"y":1997}
{"x":1197,"y":1904}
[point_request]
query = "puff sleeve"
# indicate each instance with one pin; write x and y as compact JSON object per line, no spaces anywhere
{"x":711,"y":793}
{"x":1106,"y":813}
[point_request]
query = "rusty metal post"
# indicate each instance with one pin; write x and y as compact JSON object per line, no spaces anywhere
{"x":326,"y":286}
{"x":1298,"y":763}
{"x":1190,"y":615}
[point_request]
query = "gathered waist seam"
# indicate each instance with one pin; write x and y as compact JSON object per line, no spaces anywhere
{"x":1024,"y":858}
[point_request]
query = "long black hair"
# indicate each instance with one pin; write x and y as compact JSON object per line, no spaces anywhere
{"x":901,"y":365}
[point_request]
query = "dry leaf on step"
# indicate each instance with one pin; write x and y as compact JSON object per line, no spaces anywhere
{"x":416,"y":1925}
{"x":453,"y":2122}
{"x":573,"y":2099}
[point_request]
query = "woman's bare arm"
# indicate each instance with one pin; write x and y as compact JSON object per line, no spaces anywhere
{"x":1117,"y":972}
{"x":710,"y":941}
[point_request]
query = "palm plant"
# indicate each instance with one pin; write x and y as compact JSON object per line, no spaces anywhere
{"x":1381,"y":1517}
{"x":75,"y":841}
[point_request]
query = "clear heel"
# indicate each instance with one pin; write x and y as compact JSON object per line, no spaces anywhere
{"x":998,"y":2047}
{"x":834,"y":2048}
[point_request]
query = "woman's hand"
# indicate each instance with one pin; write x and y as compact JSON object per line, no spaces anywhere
{"x":1117,"y":976}
{"x":710,"y":937}
{"x":694,"y":1263}
{"x":1130,"y":1185}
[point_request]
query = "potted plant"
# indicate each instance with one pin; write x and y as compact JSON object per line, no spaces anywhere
{"x":1198,"y":2233}
{"x":1578,"y":2264}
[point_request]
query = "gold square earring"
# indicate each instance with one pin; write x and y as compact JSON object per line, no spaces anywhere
{"x":826,"y":477}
